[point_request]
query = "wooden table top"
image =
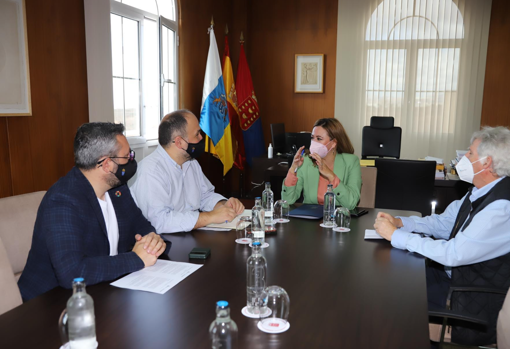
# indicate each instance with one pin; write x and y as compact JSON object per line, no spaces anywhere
{"x":344,"y":292}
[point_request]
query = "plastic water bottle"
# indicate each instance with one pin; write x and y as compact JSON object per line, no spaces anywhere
{"x":223,"y":330}
{"x":258,"y":222}
{"x":270,"y":151}
{"x":268,"y":205}
{"x":81,"y":321}
{"x":329,"y":207}
{"x":256,"y":270}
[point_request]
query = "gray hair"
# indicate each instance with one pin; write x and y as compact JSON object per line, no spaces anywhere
{"x":95,"y":140}
{"x":495,"y":142}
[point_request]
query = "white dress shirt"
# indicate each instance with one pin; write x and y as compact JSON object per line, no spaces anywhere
{"x":112,"y":226}
{"x":169,"y":196}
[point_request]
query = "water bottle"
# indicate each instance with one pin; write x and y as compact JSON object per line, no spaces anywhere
{"x":329,"y":207}
{"x":268,"y":205}
{"x":78,"y":322}
{"x":223,"y":330}
{"x":258,"y":222}
{"x":256,"y":269}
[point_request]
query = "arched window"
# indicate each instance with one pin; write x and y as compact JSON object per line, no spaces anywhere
{"x":412,"y":67}
{"x":144,"y":41}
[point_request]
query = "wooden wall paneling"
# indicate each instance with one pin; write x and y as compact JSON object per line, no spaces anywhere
{"x":5,"y":167}
{"x":280,"y":30}
{"x":495,"y":107}
{"x":61,"y":82}
{"x":20,"y":149}
{"x":41,"y":146}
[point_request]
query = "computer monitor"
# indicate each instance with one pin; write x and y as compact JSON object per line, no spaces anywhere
{"x":278,"y":138}
{"x":298,"y":139}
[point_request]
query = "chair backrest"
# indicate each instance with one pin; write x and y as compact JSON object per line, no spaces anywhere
{"x":503,"y":329}
{"x":10,"y":296}
{"x":381,"y":138}
{"x":368,"y":186}
{"x":405,"y":185}
{"x":17,"y":219}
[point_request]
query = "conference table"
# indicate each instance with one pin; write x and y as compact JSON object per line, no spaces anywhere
{"x":345,"y":292}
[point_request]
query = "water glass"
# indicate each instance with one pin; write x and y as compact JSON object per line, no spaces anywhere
{"x":243,"y":230}
{"x":342,"y":219}
{"x":281,"y":211}
{"x":278,"y":303}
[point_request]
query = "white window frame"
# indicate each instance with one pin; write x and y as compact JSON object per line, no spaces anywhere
{"x":140,"y":144}
{"x":173,"y":25}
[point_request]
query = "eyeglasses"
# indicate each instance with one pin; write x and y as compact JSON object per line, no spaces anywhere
{"x":131,"y":157}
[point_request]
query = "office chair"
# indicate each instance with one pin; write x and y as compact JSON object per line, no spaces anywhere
{"x":368,"y":187}
{"x":405,"y":185}
{"x":381,"y":138}
{"x":458,"y":317}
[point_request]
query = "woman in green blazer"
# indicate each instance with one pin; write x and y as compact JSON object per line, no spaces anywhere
{"x":331,"y":161}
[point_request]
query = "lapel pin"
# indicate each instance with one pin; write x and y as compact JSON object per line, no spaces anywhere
{"x":118,"y":193}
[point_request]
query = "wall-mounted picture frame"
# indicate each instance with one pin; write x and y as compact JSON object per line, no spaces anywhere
{"x":14,"y":71}
{"x":309,"y":73}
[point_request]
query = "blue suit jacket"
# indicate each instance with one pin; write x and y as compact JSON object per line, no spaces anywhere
{"x":70,"y":238}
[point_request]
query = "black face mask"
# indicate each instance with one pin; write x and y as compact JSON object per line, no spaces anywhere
{"x":195,"y":149}
{"x":125,"y":172}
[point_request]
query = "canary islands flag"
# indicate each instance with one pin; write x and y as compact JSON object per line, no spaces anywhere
{"x":214,"y":119}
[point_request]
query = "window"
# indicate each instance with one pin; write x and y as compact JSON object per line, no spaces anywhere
{"x":144,"y":63}
{"x":413,"y":60}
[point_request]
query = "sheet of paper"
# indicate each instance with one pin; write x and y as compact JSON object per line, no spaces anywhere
{"x":229,"y":225}
{"x":159,"y":278}
{"x":214,"y":229}
{"x":372,"y":234}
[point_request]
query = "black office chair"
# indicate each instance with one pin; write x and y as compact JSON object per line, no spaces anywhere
{"x":405,"y":185}
{"x":381,"y":138}
{"x":464,"y":323}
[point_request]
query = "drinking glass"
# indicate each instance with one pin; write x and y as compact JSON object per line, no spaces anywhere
{"x":278,"y":302}
{"x":243,"y":230}
{"x":281,"y":211}
{"x":342,"y":219}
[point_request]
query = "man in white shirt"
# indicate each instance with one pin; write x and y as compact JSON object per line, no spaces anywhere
{"x":171,"y":189}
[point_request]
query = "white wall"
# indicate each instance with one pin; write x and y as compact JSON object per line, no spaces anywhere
{"x":99,"y":60}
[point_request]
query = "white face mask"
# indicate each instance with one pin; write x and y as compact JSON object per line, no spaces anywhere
{"x":465,"y":169}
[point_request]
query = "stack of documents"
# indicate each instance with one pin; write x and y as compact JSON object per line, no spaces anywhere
{"x":227,"y":225}
{"x":372,"y":234}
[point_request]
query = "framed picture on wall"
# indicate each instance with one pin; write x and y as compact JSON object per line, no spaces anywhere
{"x":14,"y":73}
{"x":309,"y":73}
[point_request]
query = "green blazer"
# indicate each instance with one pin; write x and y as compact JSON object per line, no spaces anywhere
{"x":347,"y":193}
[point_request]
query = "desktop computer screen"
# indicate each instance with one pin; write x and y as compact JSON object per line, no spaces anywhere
{"x":278,"y":138}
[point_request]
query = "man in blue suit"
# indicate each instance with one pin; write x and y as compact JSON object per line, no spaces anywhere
{"x":88,"y":225}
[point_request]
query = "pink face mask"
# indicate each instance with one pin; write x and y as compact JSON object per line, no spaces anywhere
{"x":319,"y":149}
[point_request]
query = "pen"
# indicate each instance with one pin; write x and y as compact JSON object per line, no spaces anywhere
{"x":302,"y":153}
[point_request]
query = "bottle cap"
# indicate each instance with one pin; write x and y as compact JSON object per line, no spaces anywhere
{"x":222,"y":304}
{"x":256,"y":243}
{"x":257,"y":198}
{"x":78,"y":280}
{"x":268,"y":183}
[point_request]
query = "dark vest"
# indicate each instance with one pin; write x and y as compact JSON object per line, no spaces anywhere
{"x":494,"y":273}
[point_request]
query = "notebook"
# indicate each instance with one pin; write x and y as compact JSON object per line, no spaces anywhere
{"x":308,"y":211}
